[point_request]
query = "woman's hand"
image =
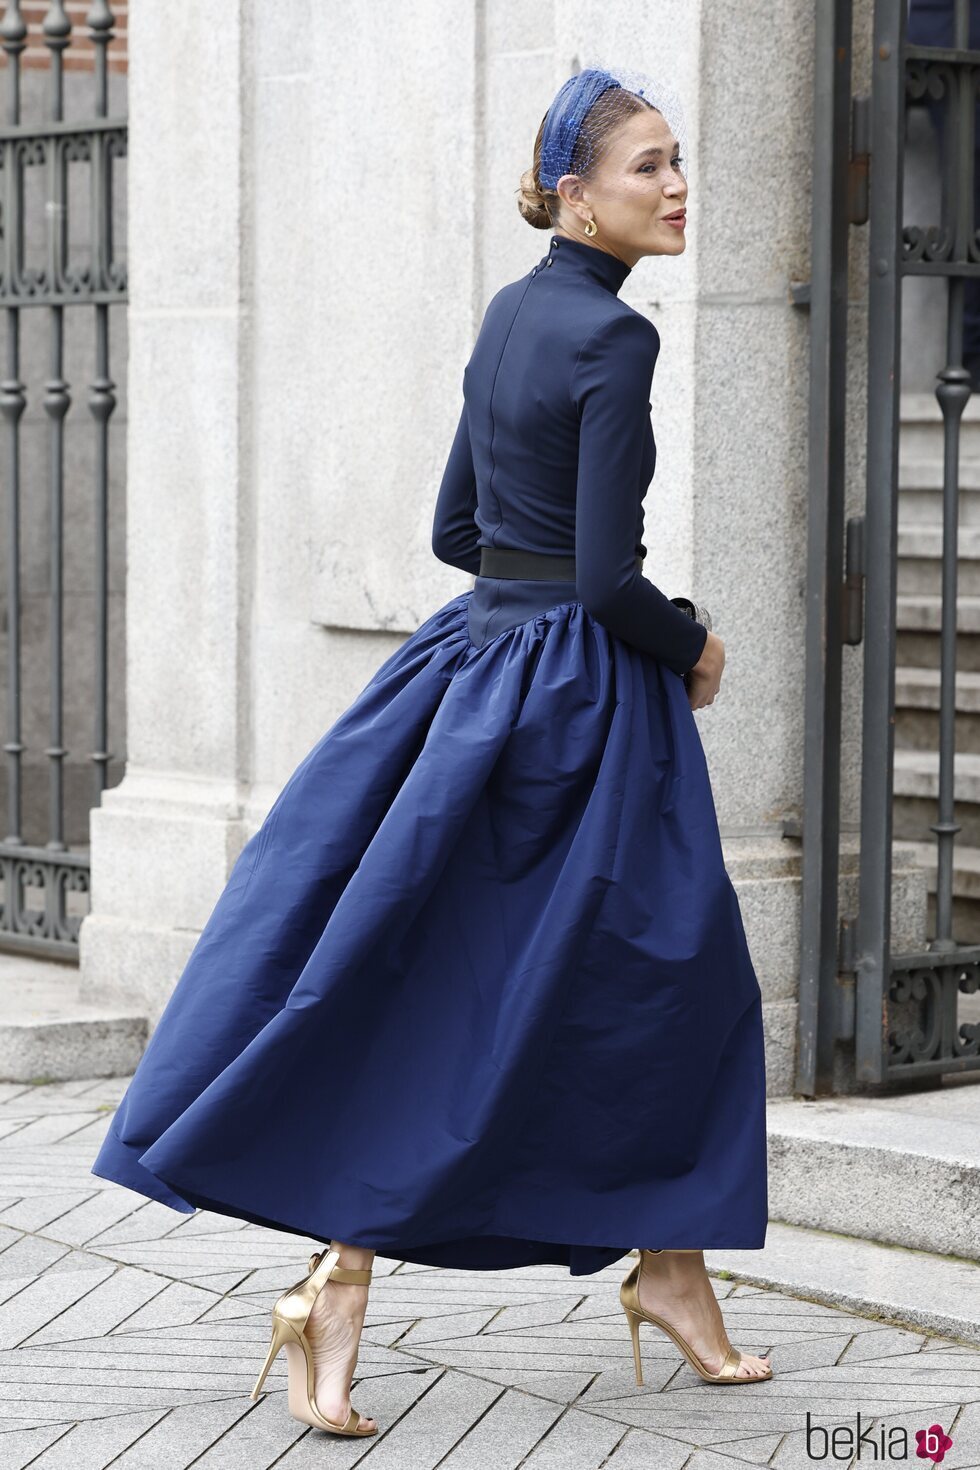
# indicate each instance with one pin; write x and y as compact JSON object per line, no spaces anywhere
{"x":704,"y":679}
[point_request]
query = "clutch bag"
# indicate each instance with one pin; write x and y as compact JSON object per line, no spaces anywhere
{"x":694,"y":610}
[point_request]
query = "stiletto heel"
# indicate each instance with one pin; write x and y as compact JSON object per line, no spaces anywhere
{"x":634,"y":1322}
{"x":280,"y":1332}
{"x":629,"y":1296}
{"x":289,"y":1318}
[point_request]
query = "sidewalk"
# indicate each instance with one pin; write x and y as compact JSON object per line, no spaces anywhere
{"x":131,"y":1336}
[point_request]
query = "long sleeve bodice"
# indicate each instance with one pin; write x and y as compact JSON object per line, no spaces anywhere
{"x":554,"y":449}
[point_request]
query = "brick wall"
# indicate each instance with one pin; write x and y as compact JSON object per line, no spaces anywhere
{"x":80,"y":54}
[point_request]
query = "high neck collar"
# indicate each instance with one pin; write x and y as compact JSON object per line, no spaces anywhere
{"x":589,"y":260}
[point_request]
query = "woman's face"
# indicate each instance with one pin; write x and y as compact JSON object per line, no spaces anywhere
{"x":637,"y":184}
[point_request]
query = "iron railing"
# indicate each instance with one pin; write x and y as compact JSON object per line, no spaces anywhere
{"x":41,"y":883}
{"x":897,"y":1016}
{"x":907,"y":1024}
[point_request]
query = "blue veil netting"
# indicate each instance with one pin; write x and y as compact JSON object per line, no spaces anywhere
{"x":573,"y":101}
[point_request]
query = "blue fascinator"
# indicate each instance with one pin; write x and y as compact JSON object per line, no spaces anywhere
{"x":571,"y":105}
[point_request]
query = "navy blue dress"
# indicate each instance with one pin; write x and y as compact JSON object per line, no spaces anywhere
{"x":477,"y":993}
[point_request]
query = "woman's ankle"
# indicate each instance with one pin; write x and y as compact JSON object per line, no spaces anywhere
{"x":357,"y":1257}
{"x":667,"y":1263}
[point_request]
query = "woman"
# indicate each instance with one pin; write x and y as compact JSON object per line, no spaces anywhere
{"x":477,"y":993}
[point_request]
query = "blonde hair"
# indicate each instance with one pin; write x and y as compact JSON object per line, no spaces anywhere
{"x":540,"y":206}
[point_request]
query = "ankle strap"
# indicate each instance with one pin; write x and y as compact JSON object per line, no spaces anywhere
{"x":356,"y":1275}
{"x":348,"y":1273}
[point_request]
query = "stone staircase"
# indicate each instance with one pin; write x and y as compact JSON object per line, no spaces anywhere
{"x":917,"y":653}
{"x":904,"y":1170}
{"x":901,"y":1170}
{"x":50,"y":1033}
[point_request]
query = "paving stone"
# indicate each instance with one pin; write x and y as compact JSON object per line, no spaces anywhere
{"x":94,"y":1443}
{"x":176,"y":1303}
{"x":24,"y":1260}
{"x":179,"y":1438}
{"x":438,"y":1420}
{"x":576,"y":1442}
{"x":87,"y":1218}
{"x":102,"y":1310}
{"x":131,"y":1335}
{"x":880,"y":1342}
{"x":36,"y":1212}
{"x":505,"y":1435}
{"x":260,"y":1437}
{"x":757,"y":1450}
{"x":11,"y":1090}
{"x":21,"y":1447}
{"x":543,"y":1313}
{"x":389,"y":1400}
{"x":38,"y":1304}
{"x":147,"y":1221}
{"x":445,"y":1328}
{"x":713,"y":1460}
{"x":91,"y":1135}
{"x":51,"y":1128}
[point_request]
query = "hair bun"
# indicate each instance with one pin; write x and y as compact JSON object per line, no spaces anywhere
{"x":532,"y":203}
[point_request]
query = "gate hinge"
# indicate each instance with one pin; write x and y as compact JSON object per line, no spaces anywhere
{"x":846,"y":977}
{"x":852,"y":588}
{"x":860,"y":160}
{"x":847,"y":945}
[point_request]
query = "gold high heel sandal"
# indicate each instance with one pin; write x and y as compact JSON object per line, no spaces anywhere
{"x":289,"y":1318}
{"x":629,"y":1295}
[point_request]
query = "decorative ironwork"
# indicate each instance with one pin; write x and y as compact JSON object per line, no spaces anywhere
{"x":923,"y":1025}
{"x":907,"y":1019}
{"x":36,"y":916}
{"x":44,"y":888}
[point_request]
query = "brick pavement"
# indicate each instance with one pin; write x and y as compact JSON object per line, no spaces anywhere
{"x":131,"y":1335}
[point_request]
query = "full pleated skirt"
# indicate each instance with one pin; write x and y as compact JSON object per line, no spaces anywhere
{"x":477,"y":993}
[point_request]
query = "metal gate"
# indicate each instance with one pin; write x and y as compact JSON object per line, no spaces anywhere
{"x":898,"y":1017}
{"x":45,"y":883}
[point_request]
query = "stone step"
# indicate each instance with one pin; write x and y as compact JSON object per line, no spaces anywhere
{"x":916,"y":793}
{"x":907,"y":1288}
{"x":918,"y":688}
{"x":917,"y":473}
{"x":920,"y":565}
{"x":48,"y":1032}
{"x":917,"y":774}
{"x":922,"y":852}
{"x":902,"y":1169}
{"x":918,"y":619}
{"x":924,"y":539}
{"x":966,"y":864}
{"x":924,"y":507}
{"x":923,"y":611}
{"x":921,"y":428}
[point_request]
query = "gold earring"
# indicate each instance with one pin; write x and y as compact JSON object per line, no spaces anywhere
{"x":591,"y":228}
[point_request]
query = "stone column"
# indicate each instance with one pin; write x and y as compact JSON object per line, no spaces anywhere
{"x":163,"y":840}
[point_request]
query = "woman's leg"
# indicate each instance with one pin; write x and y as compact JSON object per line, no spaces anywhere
{"x":334,"y":1332}
{"x":676,"y":1286}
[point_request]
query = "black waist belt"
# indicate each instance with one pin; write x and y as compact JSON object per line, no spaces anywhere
{"x":529,"y":566}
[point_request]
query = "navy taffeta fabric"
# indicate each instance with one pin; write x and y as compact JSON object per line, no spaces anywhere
{"x":477,"y":993}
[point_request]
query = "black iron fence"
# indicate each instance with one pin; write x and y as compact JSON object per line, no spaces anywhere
{"x":44,"y":877}
{"x":900,"y":1017}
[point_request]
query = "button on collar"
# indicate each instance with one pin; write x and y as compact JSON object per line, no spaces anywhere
{"x":579,"y":259}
